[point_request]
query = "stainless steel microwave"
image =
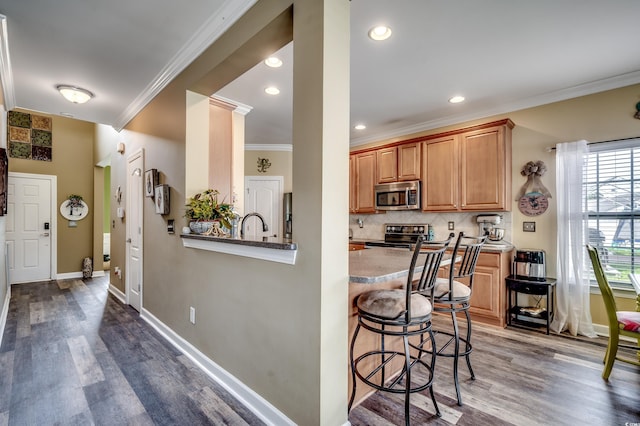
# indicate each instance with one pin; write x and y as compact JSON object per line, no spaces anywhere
{"x":398,"y":196}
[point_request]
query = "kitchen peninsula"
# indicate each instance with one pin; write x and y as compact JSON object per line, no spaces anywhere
{"x":267,"y":248}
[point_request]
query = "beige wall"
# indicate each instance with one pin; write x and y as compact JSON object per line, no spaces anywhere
{"x":73,"y":165}
{"x":281,"y":165}
{"x":280,"y":329}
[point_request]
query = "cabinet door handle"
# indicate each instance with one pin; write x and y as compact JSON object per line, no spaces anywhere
{"x":128,"y":240}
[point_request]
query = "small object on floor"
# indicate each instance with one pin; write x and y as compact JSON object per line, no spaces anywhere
{"x":87,"y":268}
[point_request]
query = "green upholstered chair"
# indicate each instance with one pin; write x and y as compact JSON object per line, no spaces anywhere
{"x":621,"y":323}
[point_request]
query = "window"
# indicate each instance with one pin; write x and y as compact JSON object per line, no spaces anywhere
{"x":612,"y":200}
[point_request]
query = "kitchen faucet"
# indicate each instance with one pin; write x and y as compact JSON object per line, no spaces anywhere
{"x":265,"y":228}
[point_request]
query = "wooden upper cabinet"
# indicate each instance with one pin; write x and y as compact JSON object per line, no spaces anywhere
{"x":387,"y":164}
{"x":468,"y":171}
{"x":440,"y":183}
{"x":409,"y":161}
{"x":483,"y":170}
{"x":352,"y":185}
{"x":399,"y":163}
{"x":365,"y":179}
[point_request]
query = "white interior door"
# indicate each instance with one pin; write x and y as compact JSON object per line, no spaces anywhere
{"x":263,"y":194}
{"x":134,"y":203}
{"x":30,"y":228}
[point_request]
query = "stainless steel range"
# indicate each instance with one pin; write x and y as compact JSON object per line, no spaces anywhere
{"x":402,"y":235}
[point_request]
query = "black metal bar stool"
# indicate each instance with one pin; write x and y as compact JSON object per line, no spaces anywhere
{"x":401,"y":313}
{"x":452,"y":296}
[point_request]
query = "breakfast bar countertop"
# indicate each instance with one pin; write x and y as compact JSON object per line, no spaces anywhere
{"x":379,"y":264}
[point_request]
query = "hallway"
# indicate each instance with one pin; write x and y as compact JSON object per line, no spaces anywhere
{"x":73,"y":354}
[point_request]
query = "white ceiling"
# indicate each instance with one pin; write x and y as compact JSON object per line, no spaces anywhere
{"x":502,"y":55}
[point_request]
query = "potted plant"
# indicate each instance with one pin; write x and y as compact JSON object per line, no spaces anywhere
{"x":203,"y":209}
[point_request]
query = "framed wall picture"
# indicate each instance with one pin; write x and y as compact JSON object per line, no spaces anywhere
{"x":151,"y":180}
{"x":4,"y":180}
{"x":162,"y":199}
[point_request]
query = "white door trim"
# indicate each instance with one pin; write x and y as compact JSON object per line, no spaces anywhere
{"x":137,"y":154}
{"x":53,"y":226}
{"x":280,"y":179}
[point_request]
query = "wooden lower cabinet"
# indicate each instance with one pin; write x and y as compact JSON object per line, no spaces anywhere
{"x":489,"y":294}
{"x":489,"y":297}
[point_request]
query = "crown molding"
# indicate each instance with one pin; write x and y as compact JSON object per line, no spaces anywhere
{"x":237,"y":106}
{"x":201,"y":40}
{"x":6,"y":74}
{"x":533,"y":101}
{"x":267,"y":147}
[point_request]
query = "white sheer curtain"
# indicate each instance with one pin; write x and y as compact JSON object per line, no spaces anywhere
{"x":572,"y":289}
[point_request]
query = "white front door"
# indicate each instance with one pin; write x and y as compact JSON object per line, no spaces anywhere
{"x":30,"y":227}
{"x":133,"y":211}
{"x":263,"y":194}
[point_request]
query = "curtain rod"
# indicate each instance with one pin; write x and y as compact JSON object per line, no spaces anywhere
{"x":553,"y":148}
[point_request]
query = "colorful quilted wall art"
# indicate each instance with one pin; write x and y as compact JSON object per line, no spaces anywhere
{"x":29,"y":136}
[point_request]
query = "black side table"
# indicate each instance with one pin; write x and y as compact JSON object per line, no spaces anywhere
{"x":530,"y":317}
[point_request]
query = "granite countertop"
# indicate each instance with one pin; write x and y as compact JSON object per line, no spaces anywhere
{"x":266,"y":242}
{"x":379,"y":264}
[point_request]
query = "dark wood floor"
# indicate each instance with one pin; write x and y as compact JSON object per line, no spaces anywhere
{"x":74,"y":355}
{"x":522,"y":378}
{"x":71,"y":354}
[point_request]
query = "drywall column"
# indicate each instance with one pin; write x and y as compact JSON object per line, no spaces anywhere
{"x":321,"y":190}
{"x":197,"y":144}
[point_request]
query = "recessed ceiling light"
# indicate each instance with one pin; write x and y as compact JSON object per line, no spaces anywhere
{"x":380,"y":33}
{"x":74,"y":94}
{"x":273,"y":62}
{"x":360,"y":127}
{"x":456,"y":99}
{"x":272,"y":90}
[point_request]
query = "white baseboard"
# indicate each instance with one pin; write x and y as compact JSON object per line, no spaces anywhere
{"x":118,"y":294}
{"x":603,"y":330}
{"x":69,"y":275}
{"x":5,"y":312}
{"x":73,"y":275}
{"x":250,"y":399}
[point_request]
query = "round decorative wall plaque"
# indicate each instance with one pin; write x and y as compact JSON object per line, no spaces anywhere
{"x":74,"y":210}
{"x":533,"y":204}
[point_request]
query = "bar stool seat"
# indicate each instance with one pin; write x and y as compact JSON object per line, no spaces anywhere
{"x":402,"y":313}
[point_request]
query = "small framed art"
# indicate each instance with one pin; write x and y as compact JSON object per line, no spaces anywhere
{"x":151,"y":180}
{"x":162,"y":199}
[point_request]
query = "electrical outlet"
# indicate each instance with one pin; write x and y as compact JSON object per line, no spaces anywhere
{"x":450,"y":225}
{"x":192,"y":315}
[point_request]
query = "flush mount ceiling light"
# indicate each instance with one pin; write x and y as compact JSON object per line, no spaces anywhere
{"x":272,"y":90}
{"x":379,"y":33}
{"x":360,"y":127}
{"x":77,"y":95}
{"x":456,"y":99}
{"x":273,"y":62}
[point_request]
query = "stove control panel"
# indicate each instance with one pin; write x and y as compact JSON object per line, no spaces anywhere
{"x":406,"y":229}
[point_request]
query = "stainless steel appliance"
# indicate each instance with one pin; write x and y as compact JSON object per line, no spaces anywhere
{"x":287,"y":209}
{"x":530,"y":264}
{"x":487,"y":224}
{"x":398,"y":196}
{"x":400,"y":235}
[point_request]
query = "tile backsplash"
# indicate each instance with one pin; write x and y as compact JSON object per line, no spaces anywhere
{"x":373,"y":224}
